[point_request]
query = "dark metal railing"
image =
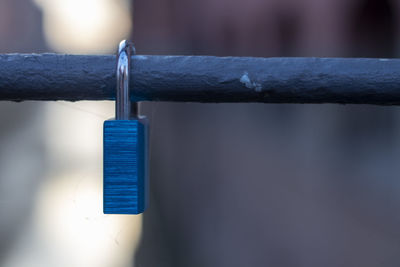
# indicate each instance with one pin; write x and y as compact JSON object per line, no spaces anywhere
{"x":203,"y":79}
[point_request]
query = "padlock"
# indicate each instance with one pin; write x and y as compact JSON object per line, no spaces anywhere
{"x":125,"y":155}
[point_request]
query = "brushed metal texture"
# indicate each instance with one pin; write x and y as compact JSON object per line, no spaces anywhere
{"x":125,"y":166}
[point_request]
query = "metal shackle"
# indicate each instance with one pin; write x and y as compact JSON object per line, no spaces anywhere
{"x":123,"y":102}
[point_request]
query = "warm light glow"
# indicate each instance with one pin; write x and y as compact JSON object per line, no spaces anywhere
{"x":69,"y":208}
{"x":85,"y":26}
{"x":73,"y":229}
{"x":68,"y":227}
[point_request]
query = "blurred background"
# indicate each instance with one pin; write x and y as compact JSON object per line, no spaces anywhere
{"x":294,"y":185}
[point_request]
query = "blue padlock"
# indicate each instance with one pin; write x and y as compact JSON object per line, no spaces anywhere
{"x":125,"y":155}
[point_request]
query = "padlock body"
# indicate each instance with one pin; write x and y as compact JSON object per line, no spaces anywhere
{"x":125,"y":163}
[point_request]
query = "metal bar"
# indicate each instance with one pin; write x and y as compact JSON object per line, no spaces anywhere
{"x":202,"y":79}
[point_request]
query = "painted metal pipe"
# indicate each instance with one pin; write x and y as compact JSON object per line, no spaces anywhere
{"x":202,"y":79}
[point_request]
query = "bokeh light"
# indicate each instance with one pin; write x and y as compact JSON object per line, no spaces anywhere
{"x":67,"y":226}
{"x":85,"y":26}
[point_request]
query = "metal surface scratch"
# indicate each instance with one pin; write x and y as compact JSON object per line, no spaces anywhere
{"x":245,"y":79}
